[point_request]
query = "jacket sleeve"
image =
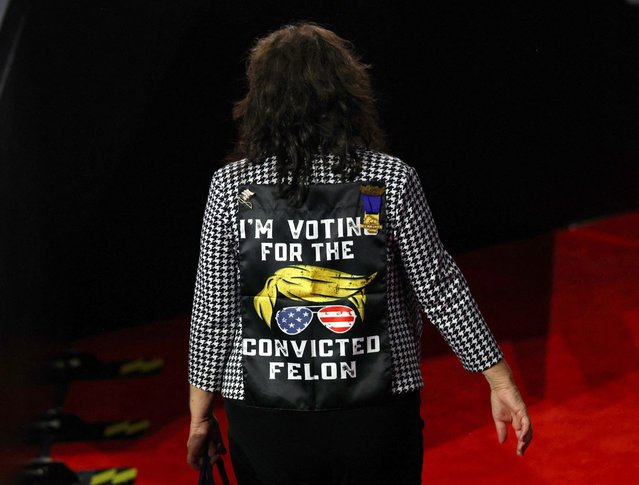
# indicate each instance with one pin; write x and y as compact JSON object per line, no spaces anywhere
{"x":438,"y":283}
{"x":215,"y":301}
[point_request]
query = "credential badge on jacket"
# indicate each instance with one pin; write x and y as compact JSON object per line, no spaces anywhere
{"x":244,"y":197}
{"x":372,"y":201}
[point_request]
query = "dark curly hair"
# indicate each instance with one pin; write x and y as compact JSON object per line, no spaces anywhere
{"x":309,"y":95}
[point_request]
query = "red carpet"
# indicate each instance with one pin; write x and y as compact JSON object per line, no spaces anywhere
{"x":565,"y":308}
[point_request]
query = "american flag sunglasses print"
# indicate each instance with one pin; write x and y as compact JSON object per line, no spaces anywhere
{"x":295,"y":319}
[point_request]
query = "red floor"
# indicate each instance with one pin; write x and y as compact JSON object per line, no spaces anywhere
{"x":565,"y":308}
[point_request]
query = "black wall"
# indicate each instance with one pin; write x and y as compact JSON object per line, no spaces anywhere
{"x":522,"y":117}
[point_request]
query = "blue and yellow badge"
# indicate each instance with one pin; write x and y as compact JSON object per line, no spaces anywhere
{"x":372,"y":201}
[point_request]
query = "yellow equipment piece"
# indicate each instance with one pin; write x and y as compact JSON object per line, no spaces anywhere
{"x":126,"y":427}
{"x":113,"y":476}
{"x":141,"y":365}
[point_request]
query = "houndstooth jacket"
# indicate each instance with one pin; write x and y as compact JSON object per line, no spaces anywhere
{"x":421,"y":276}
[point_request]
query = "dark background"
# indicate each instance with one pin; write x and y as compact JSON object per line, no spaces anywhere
{"x":521,"y":117}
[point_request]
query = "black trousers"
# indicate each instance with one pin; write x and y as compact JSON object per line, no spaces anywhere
{"x":380,"y":444}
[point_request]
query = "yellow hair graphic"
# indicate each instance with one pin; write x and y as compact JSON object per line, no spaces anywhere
{"x":311,"y":284}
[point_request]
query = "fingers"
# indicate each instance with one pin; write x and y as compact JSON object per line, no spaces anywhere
{"x":196,"y":446}
{"x":508,"y":408}
{"x":502,"y":430}
{"x":215,"y":450}
{"x":221,"y":448}
{"x":216,"y":445}
{"x":194,"y":459}
{"x":204,"y":439}
{"x":523,"y":430}
{"x":524,"y":436}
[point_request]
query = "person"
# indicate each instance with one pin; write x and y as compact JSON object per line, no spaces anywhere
{"x":318,"y":255}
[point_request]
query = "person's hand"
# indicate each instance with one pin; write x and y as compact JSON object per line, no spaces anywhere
{"x":204,"y":437}
{"x":508,"y":408}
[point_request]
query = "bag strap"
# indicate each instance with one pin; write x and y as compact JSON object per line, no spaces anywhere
{"x":206,"y":471}
{"x":222,"y":471}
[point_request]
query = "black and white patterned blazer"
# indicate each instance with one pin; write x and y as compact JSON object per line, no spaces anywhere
{"x":421,"y":276}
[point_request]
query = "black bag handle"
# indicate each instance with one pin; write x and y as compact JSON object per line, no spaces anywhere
{"x":206,"y":471}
